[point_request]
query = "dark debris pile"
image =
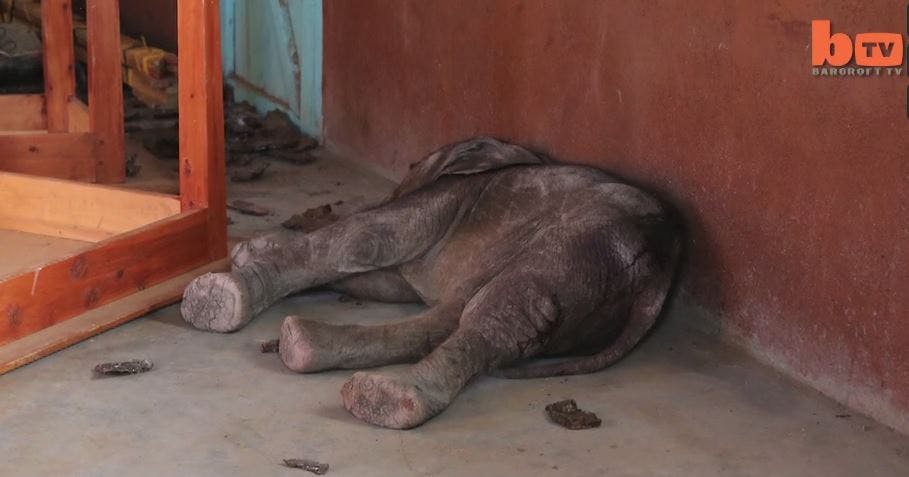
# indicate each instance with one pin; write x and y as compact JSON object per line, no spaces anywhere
{"x":253,"y":140}
{"x":567,"y":414}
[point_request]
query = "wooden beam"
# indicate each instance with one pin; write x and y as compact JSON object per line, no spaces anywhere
{"x":105,"y":88}
{"x":79,"y":120}
{"x":57,"y":337}
{"x":202,"y":176}
{"x":62,"y":155}
{"x":59,"y":61}
{"x":22,"y":112}
{"x":75,"y":210}
{"x":116,"y":268}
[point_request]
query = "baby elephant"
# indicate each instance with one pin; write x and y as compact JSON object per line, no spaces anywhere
{"x":517,"y":257}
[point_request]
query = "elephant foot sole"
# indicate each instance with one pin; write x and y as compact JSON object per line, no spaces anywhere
{"x":387,"y":401}
{"x":216,"y":302}
{"x":297,"y":348}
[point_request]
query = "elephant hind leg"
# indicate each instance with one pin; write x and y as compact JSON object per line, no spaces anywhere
{"x":403,"y":399}
{"x":309,"y":346}
{"x":498,"y":325}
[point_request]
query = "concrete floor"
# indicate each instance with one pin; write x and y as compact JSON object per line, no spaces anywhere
{"x":683,"y":403}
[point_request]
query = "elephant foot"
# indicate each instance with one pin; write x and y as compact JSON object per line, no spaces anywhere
{"x":217,"y":302}
{"x":389,"y":401}
{"x":298,"y":348}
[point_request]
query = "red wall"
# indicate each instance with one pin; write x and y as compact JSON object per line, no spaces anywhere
{"x":795,"y":187}
{"x":155,"y":20}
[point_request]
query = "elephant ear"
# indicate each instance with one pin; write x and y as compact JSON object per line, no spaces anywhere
{"x":467,"y":157}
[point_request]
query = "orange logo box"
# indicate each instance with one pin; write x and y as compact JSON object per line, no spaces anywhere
{"x":870,"y":49}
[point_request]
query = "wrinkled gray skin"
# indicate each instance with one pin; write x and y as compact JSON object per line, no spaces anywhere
{"x":516,"y":256}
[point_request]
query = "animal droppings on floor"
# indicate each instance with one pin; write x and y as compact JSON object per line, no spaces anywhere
{"x":311,"y":219}
{"x":246,"y":207}
{"x":567,"y":414}
{"x":249,"y":173}
{"x":270,"y":346}
{"x":124,"y":368}
{"x":317,"y":468}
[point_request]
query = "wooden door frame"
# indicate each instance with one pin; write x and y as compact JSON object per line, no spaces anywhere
{"x":144,"y":247}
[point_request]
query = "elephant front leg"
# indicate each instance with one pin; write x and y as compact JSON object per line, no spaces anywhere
{"x":264,"y":270}
{"x":268,"y":268}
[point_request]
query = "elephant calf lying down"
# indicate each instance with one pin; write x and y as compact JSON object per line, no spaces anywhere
{"x":516,"y":256}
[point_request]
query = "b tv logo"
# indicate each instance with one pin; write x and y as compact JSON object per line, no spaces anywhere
{"x":868,"y":49}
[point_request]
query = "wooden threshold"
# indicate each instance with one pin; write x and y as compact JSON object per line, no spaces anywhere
{"x":75,"y":210}
{"x":113,"y":269}
{"x":50,"y":340}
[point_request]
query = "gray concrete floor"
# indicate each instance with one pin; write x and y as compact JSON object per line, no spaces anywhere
{"x":683,"y":403}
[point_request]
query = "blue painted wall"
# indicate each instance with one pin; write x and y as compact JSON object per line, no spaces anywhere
{"x":273,"y":56}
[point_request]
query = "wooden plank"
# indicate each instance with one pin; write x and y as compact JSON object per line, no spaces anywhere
{"x":202,"y":176}
{"x":24,"y":132}
{"x":62,"y":155}
{"x":59,"y":62}
{"x":57,"y":337}
{"x":116,"y":268}
{"x":22,"y":112}
{"x":77,"y":211}
{"x":78,"y":116}
{"x":105,"y":88}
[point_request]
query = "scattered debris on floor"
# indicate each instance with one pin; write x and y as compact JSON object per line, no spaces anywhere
{"x":262,"y":144}
{"x":250,"y":173}
{"x":311,"y":219}
{"x":566,"y":414}
{"x":248,"y":208}
{"x":252,"y":137}
{"x":155,"y":128}
{"x":163,"y":143}
{"x":843,"y":416}
{"x":139,"y":117}
{"x":317,"y":468}
{"x":123,"y":368}
{"x":133,"y":168}
{"x":270,"y":346}
{"x":299,"y":155}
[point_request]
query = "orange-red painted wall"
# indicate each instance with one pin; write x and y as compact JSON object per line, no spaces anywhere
{"x":154,"y":20}
{"x":795,"y":187}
